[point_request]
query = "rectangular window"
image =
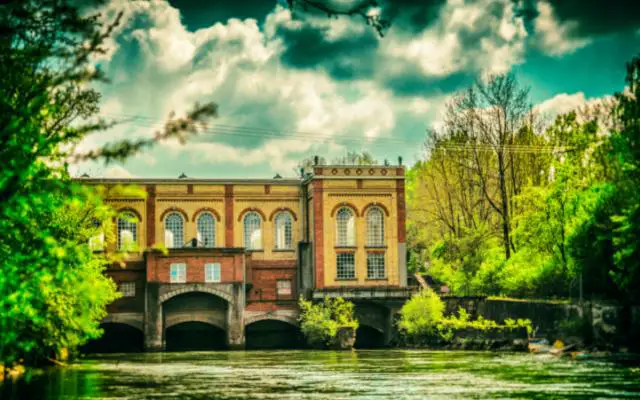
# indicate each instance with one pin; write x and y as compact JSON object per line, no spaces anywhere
{"x":375,"y":266}
{"x":346,"y":266}
{"x":128,"y":289}
{"x":212,"y":272}
{"x":178,"y":273}
{"x":284,"y":288}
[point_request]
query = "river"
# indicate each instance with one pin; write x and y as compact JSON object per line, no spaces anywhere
{"x":369,"y":374}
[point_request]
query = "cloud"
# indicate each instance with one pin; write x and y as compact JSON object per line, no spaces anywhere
{"x":118,"y":172}
{"x":555,"y":37}
{"x":585,"y":108}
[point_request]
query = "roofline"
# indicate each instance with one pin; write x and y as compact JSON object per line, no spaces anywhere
{"x":186,"y":181}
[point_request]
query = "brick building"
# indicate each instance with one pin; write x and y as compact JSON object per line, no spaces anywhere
{"x":241,"y":251}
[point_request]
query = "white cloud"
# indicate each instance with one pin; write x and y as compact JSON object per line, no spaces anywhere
{"x":554,"y":37}
{"x":561,"y":103}
{"x":117,"y":171}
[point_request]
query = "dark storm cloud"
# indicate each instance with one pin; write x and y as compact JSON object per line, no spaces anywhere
{"x":343,"y":58}
{"x":416,"y":84}
{"x":198,"y":14}
{"x":411,"y":15}
{"x":593,"y":17}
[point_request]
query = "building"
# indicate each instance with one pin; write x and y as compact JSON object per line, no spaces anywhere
{"x":241,"y":251}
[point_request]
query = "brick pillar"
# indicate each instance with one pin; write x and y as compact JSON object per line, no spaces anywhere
{"x":318,"y":233}
{"x":151,"y":215}
{"x":153,"y":335}
{"x":235,"y":319}
{"x":228,"y":215}
{"x":402,"y":232}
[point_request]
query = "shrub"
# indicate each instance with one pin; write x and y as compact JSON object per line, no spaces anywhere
{"x":320,"y":322}
{"x":421,"y":313}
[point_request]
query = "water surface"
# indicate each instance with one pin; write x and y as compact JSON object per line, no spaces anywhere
{"x":372,"y":374}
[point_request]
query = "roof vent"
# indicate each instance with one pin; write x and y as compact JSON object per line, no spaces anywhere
{"x":278,"y":176}
{"x":182,"y":176}
{"x":85,"y":175}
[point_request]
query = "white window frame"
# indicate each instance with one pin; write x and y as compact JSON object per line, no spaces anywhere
{"x":375,"y":228}
{"x":203,"y":230}
{"x":345,"y":271}
{"x":283,"y":231}
{"x":212,"y":273}
{"x":252,"y":231}
{"x":128,"y":289}
{"x":376,"y":266}
{"x":174,"y":235}
{"x":284,"y":287}
{"x":180,"y":275}
{"x":126,"y":224}
{"x":345,"y":227}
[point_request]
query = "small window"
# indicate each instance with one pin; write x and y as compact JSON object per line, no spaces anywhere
{"x":212,"y":272}
{"x":174,"y":231}
{"x":346,"y":266}
{"x":178,"y":273}
{"x":252,"y":231}
{"x":283,"y":231}
{"x":206,"y":230}
{"x":127,"y":232}
{"x":284,"y":288}
{"x":375,"y":266}
{"x":128,"y":289}
{"x":345,"y":223}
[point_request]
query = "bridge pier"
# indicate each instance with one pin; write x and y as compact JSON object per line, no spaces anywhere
{"x":153,"y":326}
{"x":235,"y":319}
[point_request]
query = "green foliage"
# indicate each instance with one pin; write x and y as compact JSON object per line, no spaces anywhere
{"x":422,"y":318}
{"x":573,"y":204}
{"x":320,"y":322}
{"x":421,"y":314}
{"x":52,"y":290}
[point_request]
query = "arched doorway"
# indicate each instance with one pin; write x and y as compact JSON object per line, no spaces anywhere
{"x":117,"y":338}
{"x":195,"y":321}
{"x":195,"y":336}
{"x":273,"y":334}
{"x":368,"y":337}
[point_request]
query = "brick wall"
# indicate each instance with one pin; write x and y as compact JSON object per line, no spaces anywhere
{"x":265,"y":276}
{"x":231,"y":265}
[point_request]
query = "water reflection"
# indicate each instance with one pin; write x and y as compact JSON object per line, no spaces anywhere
{"x":363,"y":374}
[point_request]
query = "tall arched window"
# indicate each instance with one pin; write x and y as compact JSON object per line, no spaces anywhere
{"x":283,"y":230}
{"x":206,"y":230}
{"x":127,"y":231}
{"x":375,"y":227}
{"x":173,"y":230}
{"x":346,"y":227}
{"x":252,"y":231}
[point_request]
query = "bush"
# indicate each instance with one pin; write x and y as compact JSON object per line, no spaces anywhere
{"x":320,"y":322}
{"x":421,"y":313}
{"x":422,"y":319}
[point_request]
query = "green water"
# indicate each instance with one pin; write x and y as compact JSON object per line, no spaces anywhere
{"x":374,"y":374}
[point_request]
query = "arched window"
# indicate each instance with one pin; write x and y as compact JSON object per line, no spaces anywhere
{"x":283,"y":230}
{"x":127,"y":231}
{"x":346,"y":224}
{"x":173,"y":230}
{"x":375,"y":227}
{"x":252,"y":231}
{"x":206,"y":230}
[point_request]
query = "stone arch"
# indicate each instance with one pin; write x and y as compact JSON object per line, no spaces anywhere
{"x":133,"y":211}
{"x":375,"y":205}
{"x":199,"y":211}
{"x":216,"y":292}
{"x":250,"y":209}
{"x":283,"y":209}
{"x":174,"y":209}
{"x":266,"y":317}
{"x":372,"y":315}
{"x":134,"y":321}
{"x":347,"y":205}
{"x":206,"y":319}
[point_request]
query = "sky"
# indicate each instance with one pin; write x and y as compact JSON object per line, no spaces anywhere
{"x":292,"y":85}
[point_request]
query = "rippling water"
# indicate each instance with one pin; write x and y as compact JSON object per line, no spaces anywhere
{"x":374,"y":374}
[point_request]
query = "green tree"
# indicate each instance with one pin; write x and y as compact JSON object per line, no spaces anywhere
{"x":52,"y":292}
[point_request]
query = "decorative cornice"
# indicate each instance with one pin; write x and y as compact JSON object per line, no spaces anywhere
{"x":189,"y":200}
{"x":361,"y":194}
